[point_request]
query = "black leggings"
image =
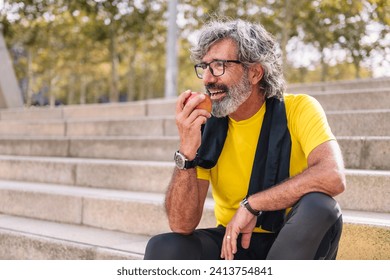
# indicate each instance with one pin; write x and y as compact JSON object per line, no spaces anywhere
{"x":312,"y":230}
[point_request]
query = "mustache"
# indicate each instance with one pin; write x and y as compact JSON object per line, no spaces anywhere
{"x":214,"y":86}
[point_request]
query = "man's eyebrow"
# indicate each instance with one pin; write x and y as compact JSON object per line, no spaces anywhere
{"x":214,"y":59}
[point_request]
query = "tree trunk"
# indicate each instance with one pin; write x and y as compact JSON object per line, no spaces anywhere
{"x":52,"y":97}
{"x":285,"y":34}
{"x":83,"y":90}
{"x":302,"y":74}
{"x":131,"y":74}
{"x":324,"y":68}
{"x":356,"y":64}
{"x":29,"y":71}
{"x":71,"y":89}
{"x":142,"y":88}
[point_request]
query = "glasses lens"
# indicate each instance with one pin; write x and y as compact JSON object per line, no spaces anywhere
{"x":218,"y":68}
{"x":199,"y":71}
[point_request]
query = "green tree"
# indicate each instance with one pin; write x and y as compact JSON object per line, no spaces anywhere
{"x":88,"y":50}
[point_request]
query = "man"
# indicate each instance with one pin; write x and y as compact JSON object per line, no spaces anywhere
{"x":272,"y":160}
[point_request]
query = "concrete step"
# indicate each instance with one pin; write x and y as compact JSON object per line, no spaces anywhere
{"x":366,"y":189}
{"x":366,"y":152}
{"x":371,"y":83}
{"x":32,"y":239}
{"x":33,"y":128}
{"x":346,"y":123}
{"x":154,"y":107}
{"x":340,"y":95}
{"x":137,"y":126}
{"x":359,"y":152}
{"x":360,"y":122}
{"x":32,"y":113}
{"x":129,"y":147}
{"x":146,"y":108}
{"x":146,"y":176}
{"x":150,"y":126}
{"x":132,"y":212}
{"x":88,"y":182}
{"x":24,"y":238}
{"x":357,"y":99}
{"x":335,"y":92}
{"x":125,"y":211}
{"x":142,"y":212}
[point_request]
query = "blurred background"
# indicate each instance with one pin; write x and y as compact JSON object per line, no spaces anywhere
{"x":96,"y":51}
{"x":89,"y":181}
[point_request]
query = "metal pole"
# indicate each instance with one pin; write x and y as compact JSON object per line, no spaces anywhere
{"x":171,"y":52}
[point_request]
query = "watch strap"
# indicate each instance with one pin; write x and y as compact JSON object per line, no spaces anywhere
{"x":188,"y":164}
{"x":245,"y":203}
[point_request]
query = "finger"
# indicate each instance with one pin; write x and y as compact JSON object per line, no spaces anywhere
{"x":246,"y":240}
{"x":199,"y":118}
{"x":229,"y":251}
{"x":194,"y":120}
{"x":233,"y":245}
{"x":181,"y":99}
{"x":224,"y":250}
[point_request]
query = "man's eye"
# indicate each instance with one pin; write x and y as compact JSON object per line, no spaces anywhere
{"x":218,"y":64}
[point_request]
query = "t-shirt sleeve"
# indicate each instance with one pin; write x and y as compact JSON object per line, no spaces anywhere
{"x":203,"y":173}
{"x":309,"y":123}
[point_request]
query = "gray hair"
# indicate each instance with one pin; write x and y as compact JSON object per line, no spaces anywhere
{"x":255,"y":45}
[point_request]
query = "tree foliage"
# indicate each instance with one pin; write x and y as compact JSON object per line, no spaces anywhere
{"x":91,"y":51}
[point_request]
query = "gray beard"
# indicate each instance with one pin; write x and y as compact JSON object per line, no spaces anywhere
{"x":235,"y":96}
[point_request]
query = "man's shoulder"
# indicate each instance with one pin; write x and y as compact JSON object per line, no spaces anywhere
{"x":301,"y":100}
{"x":298,"y":104}
{"x":294,"y":99}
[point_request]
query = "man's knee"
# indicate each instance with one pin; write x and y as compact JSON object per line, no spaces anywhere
{"x":313,"y":215}
{"x":154,"y":247}
{"x":319,"y":207}
{"x":309,"y":221}
{"x":171,"y":246}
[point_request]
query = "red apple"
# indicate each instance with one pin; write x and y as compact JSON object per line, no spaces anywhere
{"x":205,"y":104}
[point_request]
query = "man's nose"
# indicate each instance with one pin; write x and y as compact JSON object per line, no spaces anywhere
{"x":208,"y":77}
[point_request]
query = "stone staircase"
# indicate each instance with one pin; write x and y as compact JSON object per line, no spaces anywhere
{"x":88,"y":182}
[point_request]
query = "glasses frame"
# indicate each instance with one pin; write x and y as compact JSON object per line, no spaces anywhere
{"x":204,"y":65}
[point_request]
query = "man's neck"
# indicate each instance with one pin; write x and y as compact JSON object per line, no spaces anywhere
{"x":250,"y":107}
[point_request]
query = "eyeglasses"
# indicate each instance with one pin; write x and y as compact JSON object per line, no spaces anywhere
{"x":217,"y":67}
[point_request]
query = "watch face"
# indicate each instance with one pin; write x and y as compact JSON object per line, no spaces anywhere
{"x":179,"y":160}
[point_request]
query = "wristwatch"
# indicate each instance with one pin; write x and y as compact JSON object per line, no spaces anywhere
{"x":245,"y":203}
{"x":183,"y":163}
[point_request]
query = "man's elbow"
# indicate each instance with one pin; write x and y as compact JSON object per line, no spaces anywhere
{"x":338,"y":183}
{"x":181,"y":229}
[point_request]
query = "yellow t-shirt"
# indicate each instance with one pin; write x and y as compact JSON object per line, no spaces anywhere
{"x":230,"y":177}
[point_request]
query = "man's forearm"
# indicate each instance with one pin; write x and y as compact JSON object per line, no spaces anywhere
{"x":325,"y":174}
{"x":184,"y":203}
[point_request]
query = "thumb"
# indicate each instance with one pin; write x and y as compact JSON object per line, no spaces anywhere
{"x":246,"y":240}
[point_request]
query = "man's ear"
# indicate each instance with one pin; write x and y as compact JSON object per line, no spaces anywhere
{"x":256,"y":73}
